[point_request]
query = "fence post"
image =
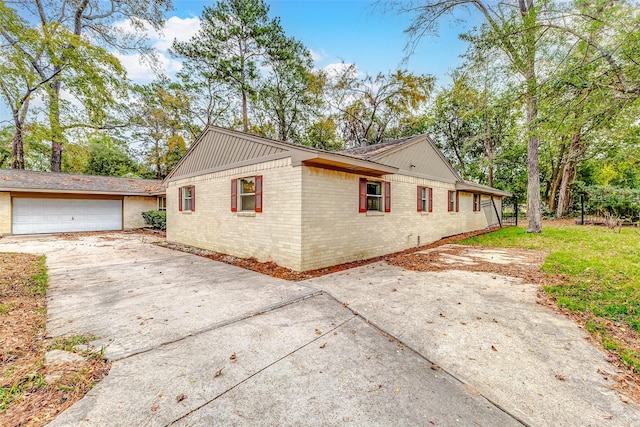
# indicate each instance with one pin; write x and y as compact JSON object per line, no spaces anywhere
{"x":582,"y":209}
{"x":516,"y":210}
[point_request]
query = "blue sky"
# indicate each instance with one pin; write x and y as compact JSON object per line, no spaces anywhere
{"x":352,"y":31}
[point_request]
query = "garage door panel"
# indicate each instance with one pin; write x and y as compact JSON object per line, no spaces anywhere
{"x":42,"y":215}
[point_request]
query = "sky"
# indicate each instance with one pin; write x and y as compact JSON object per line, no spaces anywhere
{"x":335,"y":31}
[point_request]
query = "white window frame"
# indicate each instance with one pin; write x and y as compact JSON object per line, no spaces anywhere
{"x":242,"y":195}
{"x":186,"y":198}
{"x":162,"y":203}
{"x":379,"y":197}
{"x":424,"y":199}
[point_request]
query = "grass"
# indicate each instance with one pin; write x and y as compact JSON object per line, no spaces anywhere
{"x":32,"y":393}
{"x":599,"y":273}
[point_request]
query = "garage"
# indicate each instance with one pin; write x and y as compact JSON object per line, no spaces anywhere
{"x":33,"y":215}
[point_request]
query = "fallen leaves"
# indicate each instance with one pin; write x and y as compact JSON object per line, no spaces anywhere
{"x":323,"y":345}
{"x":218,"y":372}
{"x":493,"y":347}
{"x":560,"y":377}
{"x":233,"y":357}
{"x":180,"y":397}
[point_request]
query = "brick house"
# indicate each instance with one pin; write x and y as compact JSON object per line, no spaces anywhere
{"x":304,"y":208}
{"x":45,"y":202}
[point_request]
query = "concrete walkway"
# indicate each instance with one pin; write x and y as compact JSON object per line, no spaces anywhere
{"x":196,"y":342}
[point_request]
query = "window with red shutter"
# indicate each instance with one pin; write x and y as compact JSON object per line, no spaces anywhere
{"x":457,"y":201}
{"x":234,"y":195}
{"x":180,"y":198}
{"x":430,"y":199}
{"x":193,"y":198}
{"x":259,"y":193}
{"x":420,"y":198}
{"x":387,"y":197}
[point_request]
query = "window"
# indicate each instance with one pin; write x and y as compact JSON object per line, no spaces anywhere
{"x":452,"y":201}
{"x":246,"y":192}
{"x":425,"y":199}
{"x":373,"y":197}
{"x":187,"y":198}
{"x":162,"y":203}
{"x":476,"y":202}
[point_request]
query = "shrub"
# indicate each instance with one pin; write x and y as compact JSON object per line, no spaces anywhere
{"x":155,"y":219}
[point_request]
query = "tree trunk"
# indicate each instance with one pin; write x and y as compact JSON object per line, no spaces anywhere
{"x":533,"y":186}
{"x":245,"y":118}
{"x":54,"y":124}
{"x":568,"y":174}
{"x":17,"y":150}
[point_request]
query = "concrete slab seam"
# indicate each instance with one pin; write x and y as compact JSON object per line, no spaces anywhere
{"x":388,"y":335}
{"x":228,"y":322}
{"x":261,"y":370}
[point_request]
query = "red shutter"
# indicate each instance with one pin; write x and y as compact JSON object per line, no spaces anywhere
{"x":457,"y":201}
{"x":180,"y":198}
{"x":363,"y":194}
{"x":259,"y":193}
{"x":419,"y":199}
{"x":449,"y":201}
{"x":193,"y":198}
{"x":234,"y":195}
{"x":387,"y":197}
{"x":430,"y":199}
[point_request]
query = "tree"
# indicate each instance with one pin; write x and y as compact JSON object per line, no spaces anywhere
{"x":515,"y":28}
{"x":160,"y":125}
{"x":236,"y":37}
{"x":368,"y":107}
{"x":286,"y":97}
{"x":109,"y":157}
{"x":72,"y":33}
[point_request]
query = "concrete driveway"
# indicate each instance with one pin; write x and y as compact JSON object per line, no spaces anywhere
{"x":171,"y":321}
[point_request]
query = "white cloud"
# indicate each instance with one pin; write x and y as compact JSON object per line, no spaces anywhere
{"x":181,"y":29}
{"x":336,"y":68}
{"x":317,"y":56}
{"x":138,"y":69}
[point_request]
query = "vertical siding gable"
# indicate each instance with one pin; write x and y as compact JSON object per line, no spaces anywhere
{"x":217,"y":149}
{"x":425,"y":158}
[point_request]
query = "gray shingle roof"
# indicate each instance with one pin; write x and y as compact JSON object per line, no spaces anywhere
{"x":23,"y":180}
{"x":372,"y":150}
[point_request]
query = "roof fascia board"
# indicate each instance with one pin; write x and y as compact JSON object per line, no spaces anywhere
{"x":298,"y":158}
{"x":474,"y":187}
{"x":106,"y":193}
{"x":423,"y":176}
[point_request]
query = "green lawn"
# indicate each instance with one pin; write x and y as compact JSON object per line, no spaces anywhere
{"x":602,"y":270}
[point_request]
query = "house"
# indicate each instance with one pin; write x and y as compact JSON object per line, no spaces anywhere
{"x":44,"y":202}
{"x":304,"y":208}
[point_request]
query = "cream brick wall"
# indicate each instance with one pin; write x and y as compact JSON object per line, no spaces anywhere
{"x":271,"y":235}
{"x":132,"y":208}
{"x":5,"y":213}
{"x":335,"y":232}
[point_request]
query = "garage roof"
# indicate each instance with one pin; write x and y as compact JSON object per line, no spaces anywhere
{"x":51,"y":182}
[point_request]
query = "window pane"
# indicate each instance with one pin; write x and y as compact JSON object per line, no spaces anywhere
{"x":187,"y":205}
{"x":247,"y":185}
{"x":248,"y":203}
{"x":374,"y":188}
{"x":374,"y":203}
{"x":186,"y":191}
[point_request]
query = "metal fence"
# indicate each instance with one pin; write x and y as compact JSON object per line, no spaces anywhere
{"x":590,"y":211}
{"x":510,"y":211}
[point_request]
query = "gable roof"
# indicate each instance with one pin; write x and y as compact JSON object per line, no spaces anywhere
{"x":53,"y":182}
{"x":218,"y":149}
{"x":415,"y":154}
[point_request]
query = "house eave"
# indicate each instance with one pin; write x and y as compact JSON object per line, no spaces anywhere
{"x":342,"y":163}
{"x":473,"y":187}
{"x":64,"y":191}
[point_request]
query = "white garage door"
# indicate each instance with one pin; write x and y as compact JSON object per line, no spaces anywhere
{"x":36,"y":215}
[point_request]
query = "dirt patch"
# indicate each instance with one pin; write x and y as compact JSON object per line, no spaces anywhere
{"x":31,"y":392}
{"x":512,"y":262}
